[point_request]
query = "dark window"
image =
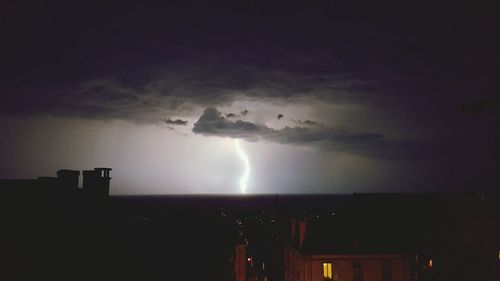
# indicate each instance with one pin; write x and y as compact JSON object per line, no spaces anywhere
{"x":357,"y":271}
{"x":386,"y":271}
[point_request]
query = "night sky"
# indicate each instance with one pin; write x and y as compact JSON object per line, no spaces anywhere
{"x":309,"y":96}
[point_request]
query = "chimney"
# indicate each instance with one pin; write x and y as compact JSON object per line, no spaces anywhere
{"x":302,"y":231}
{"x":293,"y":227}
{"x":240,"y":262}
{"x":96,"y":182}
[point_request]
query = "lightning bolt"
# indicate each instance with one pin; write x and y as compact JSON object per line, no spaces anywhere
{"x":246,"y":173}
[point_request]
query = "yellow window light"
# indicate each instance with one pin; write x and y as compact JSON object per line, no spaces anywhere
{"x":327,"y":270}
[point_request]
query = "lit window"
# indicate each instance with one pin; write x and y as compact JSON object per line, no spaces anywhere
{"x":327,"y":270}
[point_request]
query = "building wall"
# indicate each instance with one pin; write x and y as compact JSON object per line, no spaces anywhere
{"x":342,"y":266}
{"x":296,"y":266}
{"x":310,"y":267}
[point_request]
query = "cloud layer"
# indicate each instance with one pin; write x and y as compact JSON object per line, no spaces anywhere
{"x":213,"y":123}
{"x":176,"y":122}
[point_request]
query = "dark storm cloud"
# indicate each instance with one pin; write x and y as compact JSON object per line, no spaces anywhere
{"x":179,"y":90}
{"x":478,"y":107}
{"x":156,"y":71}
{"x":176,"y":122}
{"x":408,"y":61}
{"x":410,"y":69}
{"x":212,"y":123}
{"x":307,"y":122}
{"x":176,"y":55}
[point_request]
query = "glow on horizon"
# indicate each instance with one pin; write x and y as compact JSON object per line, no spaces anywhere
{"x":246,"y":173}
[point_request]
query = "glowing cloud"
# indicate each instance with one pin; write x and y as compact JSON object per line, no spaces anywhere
{"x":246,"y":173}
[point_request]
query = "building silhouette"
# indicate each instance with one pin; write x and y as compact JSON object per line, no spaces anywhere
{"x":398,"y":237}
{"x":317,"y":254}
{"x":68,"y":178}
{"x":95,"y":184}
{"x":53,"y":229}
